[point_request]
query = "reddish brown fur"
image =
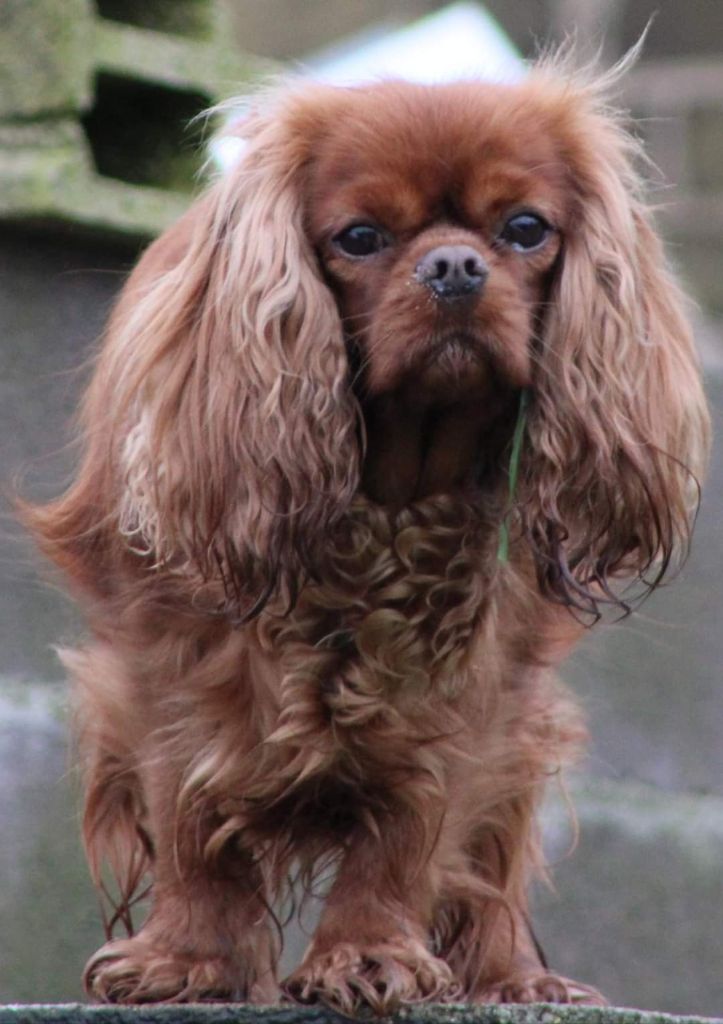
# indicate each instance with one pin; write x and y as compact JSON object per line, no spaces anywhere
{"x":285,"y":527}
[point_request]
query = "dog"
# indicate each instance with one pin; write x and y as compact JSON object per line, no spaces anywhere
{"x":377,"y":430}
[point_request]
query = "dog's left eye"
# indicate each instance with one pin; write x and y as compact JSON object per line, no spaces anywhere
{"x":360,"y":240}
{"x":525,"y":231}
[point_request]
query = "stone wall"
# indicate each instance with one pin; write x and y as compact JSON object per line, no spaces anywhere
{"x":97,"y":127}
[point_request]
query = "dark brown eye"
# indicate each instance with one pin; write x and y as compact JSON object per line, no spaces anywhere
{"x":525,"y":231}
{"x":360,"y":240}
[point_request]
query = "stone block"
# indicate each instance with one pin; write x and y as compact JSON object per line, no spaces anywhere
{"x":47,"y":175}
{"x":96,"y":101}
{"x":240,"y":1013}
{"x":45,"y":57}
{"x":175,"y":61}
{"x":197,"y":19}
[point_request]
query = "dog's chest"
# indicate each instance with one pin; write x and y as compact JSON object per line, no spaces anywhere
{"x":389,"y":623}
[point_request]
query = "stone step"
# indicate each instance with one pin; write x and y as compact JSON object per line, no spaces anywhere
{"x":237,"y":1013}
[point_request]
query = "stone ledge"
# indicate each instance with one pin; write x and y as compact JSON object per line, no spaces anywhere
{"x":240,"y":1013}
{"x":174,"y":61}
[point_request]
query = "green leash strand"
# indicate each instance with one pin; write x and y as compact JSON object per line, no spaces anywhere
{"x":503,"y":549}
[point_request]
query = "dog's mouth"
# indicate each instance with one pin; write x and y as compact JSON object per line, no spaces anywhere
{"x":456,"y":350}
{"x":447,"y":365}
{"x":467,"y":361}
{"x":455,"y":361}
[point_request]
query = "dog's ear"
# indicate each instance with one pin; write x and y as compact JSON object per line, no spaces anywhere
{"x":221,"y":396}
{"x":618,"y":430}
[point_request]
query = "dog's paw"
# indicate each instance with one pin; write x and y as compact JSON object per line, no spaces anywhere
{"x":133,"y":971}
{"x":542,"y":988}
{"x":380,"y":977}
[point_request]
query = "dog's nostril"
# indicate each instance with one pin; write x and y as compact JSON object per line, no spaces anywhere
{"x":452,"y":271}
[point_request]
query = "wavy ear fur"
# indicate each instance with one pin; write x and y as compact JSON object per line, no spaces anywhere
{"x":223,"y":389}
{"x":618,"y":432}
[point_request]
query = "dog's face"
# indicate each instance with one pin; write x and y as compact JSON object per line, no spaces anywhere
{"x":438,"y":216}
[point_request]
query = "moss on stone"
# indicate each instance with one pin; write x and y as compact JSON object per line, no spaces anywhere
{"x":46,"y":174}
{"x":46,"y":57}
{"x":173,"y":61}
{"x":539,"y":1013}
{"x":94,"y":111}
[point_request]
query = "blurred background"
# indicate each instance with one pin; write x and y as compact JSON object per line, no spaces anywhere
{"x":96,"y":157}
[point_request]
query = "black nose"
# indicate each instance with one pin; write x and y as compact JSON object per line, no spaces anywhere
{"x":452,"y":271}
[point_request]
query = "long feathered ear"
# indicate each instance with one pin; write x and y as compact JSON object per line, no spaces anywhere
{"x":221,"y":397}
{"x":618,"y":433}
{"x":242,"y":445}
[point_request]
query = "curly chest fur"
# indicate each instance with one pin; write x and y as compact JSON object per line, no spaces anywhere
{"x":398,"y":599}
{"x":387,"y":628}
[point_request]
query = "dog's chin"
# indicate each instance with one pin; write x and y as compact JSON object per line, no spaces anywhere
{"x":454,"y":367}
{"x":447,"y":368}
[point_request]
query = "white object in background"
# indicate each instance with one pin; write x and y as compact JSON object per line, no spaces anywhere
{"x":461,"y":41}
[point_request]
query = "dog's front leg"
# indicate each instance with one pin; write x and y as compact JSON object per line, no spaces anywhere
{"x":371,"y":948}
{"x":207,"y":935}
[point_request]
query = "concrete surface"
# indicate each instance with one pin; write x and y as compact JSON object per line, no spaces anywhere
{"x":55,"y":295}
{"x":539,"y":1013}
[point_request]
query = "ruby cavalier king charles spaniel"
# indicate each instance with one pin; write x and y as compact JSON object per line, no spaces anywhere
{"x":377,"y":430}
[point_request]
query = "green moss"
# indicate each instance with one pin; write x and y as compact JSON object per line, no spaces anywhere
{"x":45,"y":57}
{"x":133,"y":89}
{"x":241,"y":1014}
{"x":46,"y":173}
{"x":212,"y":68}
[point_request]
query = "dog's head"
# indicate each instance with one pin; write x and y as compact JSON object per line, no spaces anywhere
{"x":442,"y":246}
{"x":438,"y":223}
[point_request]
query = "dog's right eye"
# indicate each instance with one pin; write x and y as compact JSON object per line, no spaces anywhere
{"x":360,"y":240}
